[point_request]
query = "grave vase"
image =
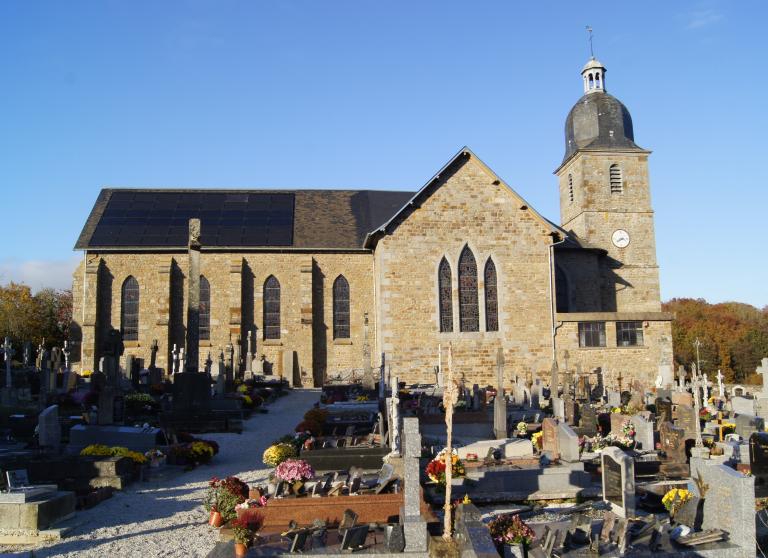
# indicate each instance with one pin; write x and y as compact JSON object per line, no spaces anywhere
{"x":241,"y":550}
{"x":296,"y":487}
{"x":215,"y":520}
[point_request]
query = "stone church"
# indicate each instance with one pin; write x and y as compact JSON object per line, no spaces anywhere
{"x":332,"y":278}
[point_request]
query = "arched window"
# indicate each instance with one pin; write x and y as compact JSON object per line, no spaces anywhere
{"x":271,"y":308}
{"x":340,"y":308}
{"x":491,"y":297}
{"x":570,"y":188}
{"x":204,"y":323}
{"x":129,"y":309}
{"x":444,"y":292}
{"x":561,"y":290}
{"x":469,"y":315}
{"x":617,"y":186}
{"x":591,"y":82}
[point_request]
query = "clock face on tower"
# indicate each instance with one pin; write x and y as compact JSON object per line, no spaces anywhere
{"x":620,"y":238}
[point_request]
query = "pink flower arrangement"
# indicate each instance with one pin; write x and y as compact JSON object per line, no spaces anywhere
{"x":292,"y":470}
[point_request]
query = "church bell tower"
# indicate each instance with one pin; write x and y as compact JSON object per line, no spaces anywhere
{"x":605,"y":199}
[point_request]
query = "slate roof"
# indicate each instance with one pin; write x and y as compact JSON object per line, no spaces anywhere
{"x":599,"y":121}
{"x":151,"y":219}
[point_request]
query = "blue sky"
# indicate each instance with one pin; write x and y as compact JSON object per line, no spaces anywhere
{"x":364,"y":94}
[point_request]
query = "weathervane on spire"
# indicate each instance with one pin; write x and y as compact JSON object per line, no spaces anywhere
{"x":591,"y":51}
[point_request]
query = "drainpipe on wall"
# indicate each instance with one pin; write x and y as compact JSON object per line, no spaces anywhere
{"x":552,"y":299}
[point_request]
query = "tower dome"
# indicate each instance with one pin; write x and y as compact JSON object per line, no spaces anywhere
{"x":598,"y":120}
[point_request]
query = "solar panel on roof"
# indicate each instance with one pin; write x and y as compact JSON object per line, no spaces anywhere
{"x":160,"y":219}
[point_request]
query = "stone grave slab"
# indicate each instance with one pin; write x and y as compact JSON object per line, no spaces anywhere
{"x":134,"y":438}
{"x":746,"y":425}
{"x":743,"y":406}
{"x":618,"y":471}
{"x":568,"y":443}
{"x":644,"y":433}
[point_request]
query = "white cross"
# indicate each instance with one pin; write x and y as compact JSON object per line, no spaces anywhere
{"x":175,"y":356}
{"x":66,"y":352}
{"x":720,"y":387}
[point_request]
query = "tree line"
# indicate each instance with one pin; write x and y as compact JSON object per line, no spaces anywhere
{"x":24,"y":316}
{"x":733,"y":337}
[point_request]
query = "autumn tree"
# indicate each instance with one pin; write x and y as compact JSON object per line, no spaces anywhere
{"x":33,"y":317}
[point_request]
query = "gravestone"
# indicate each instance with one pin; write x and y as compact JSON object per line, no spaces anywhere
{"x":49,"y":430}
{"x":685,"y":418}
{"x":568,"y":443}
{"x":106,"y":406}
{"x":617,"y":423}
{"x":558,"y":408}
{"x":588,"y":420}
{"x":743,"y":406}
{"x":729,"y":504}
{"x":746,"y":425}
{"x":191,"y":392}
{"x":414,"y":526}
{"x":672,"y":441}
{"x":288,"y":367}
{"x":618,"y":470}
{"x":614,"y":399}
{"x":758,"y":459}
{"x":682,"y":398}
{"x":643,"y":433}
{"x":571,"y":410}
{"x":663,"y":410}
{"x":550,"y":438}
{"x":500,"y":403}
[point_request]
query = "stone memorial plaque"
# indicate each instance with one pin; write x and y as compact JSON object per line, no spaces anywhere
{"x":612,"y":484}
{"x":685,"y":418}
{"x":682,"y":398}
{"x":663,"y":410}
{"x":588,"y":420}
{"x":549,"y":437}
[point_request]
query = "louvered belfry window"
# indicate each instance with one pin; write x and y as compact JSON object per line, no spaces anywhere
{"x":491,"y":297}
{"x":469,"y":315}
{"x":444,"y":293}
{"x":129,"y":309}
{"x":617,"y":186}
{"x":341,"y":308}
{"x":204,"y":315}
{"x":271,"y":308}
{"x":570,"y":188}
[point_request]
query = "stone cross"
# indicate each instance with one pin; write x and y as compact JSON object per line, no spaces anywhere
{"x":193,"y":297}
{"x":705,"y":384}
{"x":395,"y":426}
{"x":153,"y":354}
{"x":66,"y":352}
{"x":229,"y":356}
{"x":208,"y":363}
{"x":27,"y":353}
{"x":39,"y":358}
{"x":620,"y":378}
{"x":763,"y":371}
{"x":450,"y":398}
{"x":696,"y":383}
{"x":554,"y":381}
{"x":249,"y":353}
{"x":720,"y":386}
{"x":8,"y":353}
{"x":237,"y":357}
{"x":681,"y":378}
{"x":500,"y":403}
{"x":367,"y":369}
{"x":175,"y":359}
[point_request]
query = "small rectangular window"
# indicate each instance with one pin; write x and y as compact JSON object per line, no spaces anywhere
{"x":592,"y":334}
{"x":629,"y":334}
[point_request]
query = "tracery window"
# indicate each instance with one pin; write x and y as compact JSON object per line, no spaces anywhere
{"x":129,"y":309}
{"x":491,"y":297}
{"x":271,"y":308}
{"x":341,"y":308}
{"x":469,"y":315}
{"x":445,"y":302}
{"x":204,"y":315}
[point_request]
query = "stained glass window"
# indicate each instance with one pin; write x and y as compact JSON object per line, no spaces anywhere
{"x":491,"y":297}
{"x":129,"y":309}
{"x":444,"y":292}
{"x":469,"y":315}
{"x":271,"y":308}
{"x":340,"y":308}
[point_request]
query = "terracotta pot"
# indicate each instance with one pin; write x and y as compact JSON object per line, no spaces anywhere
{"x":215,"y":520}
{"x":241,"y":549}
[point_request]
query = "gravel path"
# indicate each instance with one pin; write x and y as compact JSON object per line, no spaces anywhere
{"x":165,"y":517}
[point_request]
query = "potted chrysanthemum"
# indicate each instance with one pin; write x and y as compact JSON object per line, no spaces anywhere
{"x":294,"y":472}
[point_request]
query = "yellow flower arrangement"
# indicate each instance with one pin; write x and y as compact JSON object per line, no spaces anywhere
{"x":276,"y":454}
{"x":361,"y":398}
{"x":86,"y":373}
{"x":242,"y":388}
{"x":135,"y":456}
{"x":536,"y":438}
{"x":674,"y":499}
{"x":97,"y":450}
{"x":247,"y":400}
{"x":616,"y":410}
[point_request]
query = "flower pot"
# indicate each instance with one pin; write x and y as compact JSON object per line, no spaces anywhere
{"x":241,"y":549}
{"x":215,"y":520}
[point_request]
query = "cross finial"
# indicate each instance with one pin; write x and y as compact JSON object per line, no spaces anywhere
{"x":591,"y":51}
